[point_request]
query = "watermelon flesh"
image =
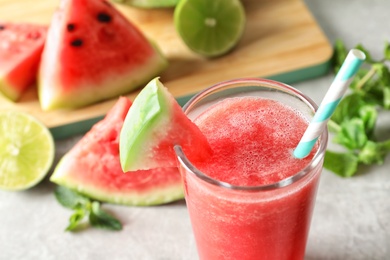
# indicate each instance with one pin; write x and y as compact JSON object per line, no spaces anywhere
{"x":153,"y":126}
{"x":21,"y":47}
{"x":93,"y":53}
{"x":92,"y":167}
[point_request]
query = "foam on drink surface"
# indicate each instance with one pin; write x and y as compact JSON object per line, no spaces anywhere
{"x":252,"y":139}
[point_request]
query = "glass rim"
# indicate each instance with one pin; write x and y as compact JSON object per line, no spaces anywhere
{"x":184,"y":161}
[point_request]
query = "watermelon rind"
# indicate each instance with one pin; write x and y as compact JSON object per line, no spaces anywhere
{"x":150,"y":111}
{"x":7,"y":90}
{"x":152,"y":197}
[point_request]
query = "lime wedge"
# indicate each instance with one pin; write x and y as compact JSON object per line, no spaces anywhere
{"x":149,"y":3}
{"x":27,"y":150}
{"x":210,"y":27}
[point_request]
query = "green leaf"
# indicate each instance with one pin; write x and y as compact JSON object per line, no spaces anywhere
{"x":382,"y":72}
{"x":352,"y":134}
{"x":369,"y":115}
{"x":69,"y":198}
{"x":374,"y":153}
{"x":333,"y":126}
{"x":355,"y":118}
{"x":364,"y":82}
{"x":343,"y":164}
{"x":101,"y":219}
{"x":387,"y":50}
{"x":369,"y":58}
{"x":75,"y":219}
{"x":83,"y":207}
{"x":348,"y":108}
{"x":376,"y":85}
{"x":339,"y":55}
{"x":386,"y":97}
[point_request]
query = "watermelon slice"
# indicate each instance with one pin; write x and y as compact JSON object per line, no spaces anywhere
{"x":153,"y":126}
{"x":21,"y":47}
{"x":93,"y":53}
{"x":92,"y":167}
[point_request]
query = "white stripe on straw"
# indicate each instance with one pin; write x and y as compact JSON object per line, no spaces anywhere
{"x":332,"y":98}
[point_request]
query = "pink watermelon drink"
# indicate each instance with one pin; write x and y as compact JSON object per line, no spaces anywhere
{"x":251,"y":199}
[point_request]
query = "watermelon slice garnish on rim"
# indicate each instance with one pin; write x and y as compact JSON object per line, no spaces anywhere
{"x":93,"y":53}
{"x":153,"y":126}
{"x":92,"y":167}
{"x":21,"y":46}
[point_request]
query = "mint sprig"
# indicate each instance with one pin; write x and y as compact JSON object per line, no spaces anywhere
{"x":354,"y":120}
{"x":85,"y":208}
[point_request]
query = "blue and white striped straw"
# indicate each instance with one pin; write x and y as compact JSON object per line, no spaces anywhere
{"x":328,"y":105}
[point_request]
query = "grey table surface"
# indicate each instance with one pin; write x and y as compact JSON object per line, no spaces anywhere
{"x":351,"y":218}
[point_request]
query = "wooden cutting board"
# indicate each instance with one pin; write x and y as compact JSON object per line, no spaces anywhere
{"x":282,"y":41}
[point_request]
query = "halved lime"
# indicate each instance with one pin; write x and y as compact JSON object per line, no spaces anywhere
{"x":26,"y":150}
{"x":149,"y":3}
{"x":210,"y":27}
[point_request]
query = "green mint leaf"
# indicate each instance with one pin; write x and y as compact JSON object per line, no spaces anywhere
{"x":364,"y":81}
{"x":369,"y":115}
{"x":342,"y":164}
{"x":101,"y":219}
{"x":382,"y":73}
{"x":84,"y":207}
{"x":69,"y":198}
{"x":373,"y":85}
{"x":352,"y":134}
{"x":75,"y":219}
{"x":339,"y":55}
{"x":355,"y":118}
{"x":387,"y":50}
{"x":386,"y":97}
{"x":333,"y":126}
{"x":374,"y":153}
{"x":369,"y":58}
{"x":348,"y":108}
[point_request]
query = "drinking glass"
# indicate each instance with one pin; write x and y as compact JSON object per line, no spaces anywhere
{"x":251,"y":222}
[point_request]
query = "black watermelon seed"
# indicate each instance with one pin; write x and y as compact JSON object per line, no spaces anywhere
{"x":104,"y":18}
{"x":70,"y":27}
{"x":2,"y":27}
{"x":76,"y":43}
